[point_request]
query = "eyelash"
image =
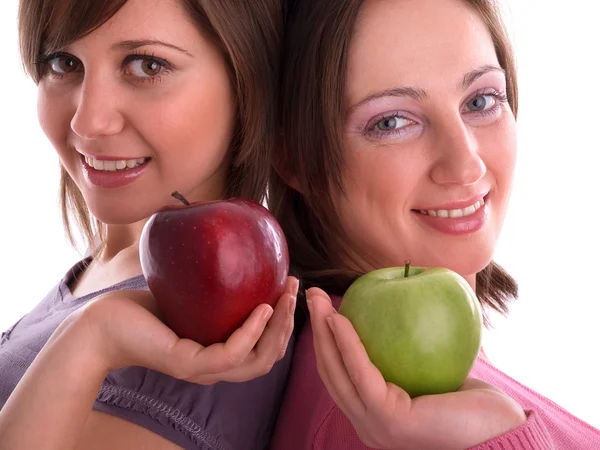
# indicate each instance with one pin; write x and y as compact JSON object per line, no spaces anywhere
{"x":166,"y":66}
{"x":370,"y":130}
{"x":500,"y":97}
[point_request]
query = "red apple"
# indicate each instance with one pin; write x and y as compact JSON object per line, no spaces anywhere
{"x":210,"y":264}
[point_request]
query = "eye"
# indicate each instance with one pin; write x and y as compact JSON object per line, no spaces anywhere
{"x":482,"y":102}
{"x":392,"y":123}
{"x":144,"y":67}
{"x":62,"y":64}
{"x":388,"y":125}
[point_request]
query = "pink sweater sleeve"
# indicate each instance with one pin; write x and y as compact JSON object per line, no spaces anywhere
{"x":336,"y":433}
{"x":532,"y":435}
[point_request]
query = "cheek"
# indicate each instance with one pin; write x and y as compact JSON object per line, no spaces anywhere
{"x":54,"y":117}
{"x":503,"y":154}
{"x":383,"y":176}
{"x":197,"y":124}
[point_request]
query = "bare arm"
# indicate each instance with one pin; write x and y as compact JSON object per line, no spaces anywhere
{"x":51,"y":407}
{"x":51,"y":404}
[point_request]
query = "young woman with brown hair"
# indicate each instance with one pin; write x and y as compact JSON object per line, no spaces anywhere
{"x":399,"y":143}
{"x":141,"y":98}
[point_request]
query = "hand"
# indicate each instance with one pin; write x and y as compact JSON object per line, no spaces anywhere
{"x":126,"y":331}
{"x":383,"y":415}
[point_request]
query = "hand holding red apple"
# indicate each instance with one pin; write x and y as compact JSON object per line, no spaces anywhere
{"x":384,"y":415}
{"x":125,"y":331}
{"x":209,"y":265}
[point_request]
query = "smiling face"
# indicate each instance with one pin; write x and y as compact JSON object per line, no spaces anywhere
{"x":138,"y":108}
{"x":429,"y":138}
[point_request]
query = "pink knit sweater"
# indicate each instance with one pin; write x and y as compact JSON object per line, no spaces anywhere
{"x":310,"y":420}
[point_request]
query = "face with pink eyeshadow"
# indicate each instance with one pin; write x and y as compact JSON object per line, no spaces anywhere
{"x":429,"y":138}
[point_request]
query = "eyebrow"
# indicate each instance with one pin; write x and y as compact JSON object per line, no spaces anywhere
{"x":474,"y":75}
{"x":134,"y":44}
{"x":420,"y":94}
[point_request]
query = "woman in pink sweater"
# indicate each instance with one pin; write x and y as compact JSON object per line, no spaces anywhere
{"x":399,"y":143}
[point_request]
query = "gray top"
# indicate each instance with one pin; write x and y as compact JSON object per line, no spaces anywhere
{"x":224,"y":416}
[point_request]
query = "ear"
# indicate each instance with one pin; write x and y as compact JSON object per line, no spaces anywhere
{"x":282,"y":169}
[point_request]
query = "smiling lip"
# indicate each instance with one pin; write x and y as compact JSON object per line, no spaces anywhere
{"x":453,"y":223}
{"x":455,"y":205}
{"x":112,"y":179}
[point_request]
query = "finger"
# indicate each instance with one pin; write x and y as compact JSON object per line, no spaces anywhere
{"x":329,"y":360}
{"x":267,"y":344}
{"x":368,"y":380}
{"x":271,"y":344}
{"x":291,"y":286}
{"x":275,"y":339}
{"x":244,"y":339}
{"x":222,"y":357}
{"x":474,"y":383}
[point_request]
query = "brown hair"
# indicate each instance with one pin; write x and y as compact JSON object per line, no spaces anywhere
{"x":316,"y":43}
{"x":249,"y":34}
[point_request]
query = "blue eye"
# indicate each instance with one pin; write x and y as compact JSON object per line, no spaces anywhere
{"x":482,"y":102}
{"x":392,"y":123}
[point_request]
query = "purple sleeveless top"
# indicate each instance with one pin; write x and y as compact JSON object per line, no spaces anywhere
{"x":223,"y":416}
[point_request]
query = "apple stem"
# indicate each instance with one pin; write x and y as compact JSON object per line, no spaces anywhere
{"x":180,"y":197}
{"x":406,"y":268}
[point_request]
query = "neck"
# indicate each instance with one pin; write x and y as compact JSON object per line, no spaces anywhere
{"x":471,"y":280}
{"x":119,"y":238}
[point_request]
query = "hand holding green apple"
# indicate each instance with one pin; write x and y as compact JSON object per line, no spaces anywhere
{"x":421,"y":327}
{"x":383,"y":414}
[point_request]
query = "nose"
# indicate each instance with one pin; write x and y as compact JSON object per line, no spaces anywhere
{"x":457,"y":161}
{"x":98,"y":110}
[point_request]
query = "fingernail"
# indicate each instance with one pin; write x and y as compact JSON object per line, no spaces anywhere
{"x":293,"y":285}
{"x":293,"y":304}
{"x":266,"y":315}
{"x":309,"y":302}
{"x":329,"y":322}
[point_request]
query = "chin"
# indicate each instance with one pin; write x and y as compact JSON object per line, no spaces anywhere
{"x":120,"y":215}
{"x":469,"y":265}
{"x":465,"y":263}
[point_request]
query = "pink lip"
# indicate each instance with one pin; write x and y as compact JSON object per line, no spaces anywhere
{"x":458,"y":226}
{"x":456,"y":205}
{"x":105,"y":179}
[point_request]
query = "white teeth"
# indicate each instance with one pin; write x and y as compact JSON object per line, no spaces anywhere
{"x":454,"y":213}
{"x":469,"y":210}
{"x":113,"y":166}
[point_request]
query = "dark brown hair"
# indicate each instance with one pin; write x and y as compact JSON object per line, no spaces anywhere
{"x":316,"y":43}
{"x":249,"y":34}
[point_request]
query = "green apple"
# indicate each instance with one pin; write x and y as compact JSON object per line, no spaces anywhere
{"x":421,"y":326}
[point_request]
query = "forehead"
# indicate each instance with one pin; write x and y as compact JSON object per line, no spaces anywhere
{"x":121,"y":19}
{"x":423,"y":43}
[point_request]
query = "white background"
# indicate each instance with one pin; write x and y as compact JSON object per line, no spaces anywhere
{"x":550,"y":242}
